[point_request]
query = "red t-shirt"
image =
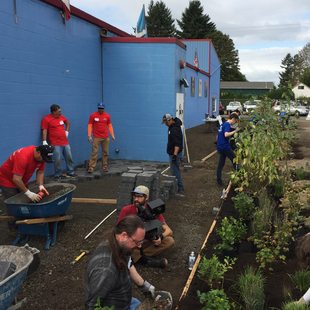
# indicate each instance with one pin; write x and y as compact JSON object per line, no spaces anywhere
{"x":22,"y":163}
{"x":100,"y":124}
{"x":132,"y":210}
{"x":56,"y":132}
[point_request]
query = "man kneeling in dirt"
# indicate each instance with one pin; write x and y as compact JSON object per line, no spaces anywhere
{"x":110,"y":270}
{"x":154,"y":246}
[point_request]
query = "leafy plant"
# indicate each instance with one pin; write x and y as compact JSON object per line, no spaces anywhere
{"x":293,"y":305}
{"x":301,"y":279}
{"x":98,"y":306}
{"x":244,"y":204}
{"x":214,"y":300}
{"x":212,"y":270}
{"x":231,"y":231}
{"x":251,"y":289}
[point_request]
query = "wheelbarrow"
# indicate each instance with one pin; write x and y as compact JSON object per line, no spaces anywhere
{"x":41,"y":218}
{"x":11,"y":279}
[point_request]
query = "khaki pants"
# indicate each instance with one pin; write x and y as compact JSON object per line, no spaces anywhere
{"x":104,"y":142}
{"x":149,"y":249}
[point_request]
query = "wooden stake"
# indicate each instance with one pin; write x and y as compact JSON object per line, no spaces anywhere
{"x":209,"y":156}
{"x":4,"y":218}
{"x":95,"y":200}
{"x":186,"y":145}
{"x":45,"y":220}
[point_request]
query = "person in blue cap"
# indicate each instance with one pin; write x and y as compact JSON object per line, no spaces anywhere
{"x":99,"y":127}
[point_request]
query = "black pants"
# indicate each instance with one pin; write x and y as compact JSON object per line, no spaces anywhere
{"x":223,"y":154}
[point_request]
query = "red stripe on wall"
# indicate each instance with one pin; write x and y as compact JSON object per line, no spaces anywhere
{"x":143,"y":40}
{"x":89,"y":18}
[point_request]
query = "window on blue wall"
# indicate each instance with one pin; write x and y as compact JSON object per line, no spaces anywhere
{"x":193,"y":86}
{"x":206,"y":88}
{"x":200,"y":88}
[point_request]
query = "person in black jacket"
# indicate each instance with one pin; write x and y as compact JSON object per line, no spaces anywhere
{"x":174,"y":148}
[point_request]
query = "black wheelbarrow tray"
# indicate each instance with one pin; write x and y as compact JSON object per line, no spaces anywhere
{"x":43,"y":217}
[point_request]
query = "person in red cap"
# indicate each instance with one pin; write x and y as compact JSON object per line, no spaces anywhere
{"x":17,"y":170}
{"x":154,"y":246}
{"x":99,"y":126}
{"x":55,"y":130}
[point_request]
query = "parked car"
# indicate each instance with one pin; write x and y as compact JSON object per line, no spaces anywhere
{"x":234,"y":105}
{"x":250,"y":105}
{"x":292,"y":108}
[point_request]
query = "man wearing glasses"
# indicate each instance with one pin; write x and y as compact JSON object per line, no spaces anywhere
{"x":150,"y":248}
{"x":110,"y":269}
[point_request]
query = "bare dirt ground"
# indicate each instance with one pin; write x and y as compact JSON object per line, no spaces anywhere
{"x":57,"y":284}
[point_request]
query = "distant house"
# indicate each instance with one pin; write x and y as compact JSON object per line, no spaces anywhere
{"x":246,"y":88}
{"x":301,"y":90}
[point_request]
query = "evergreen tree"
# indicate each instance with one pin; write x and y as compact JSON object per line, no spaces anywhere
{"x":228,"y":56}
{"x":159,"y":20}
{"x":305,"y":78}
{"x":287,"y":75}
{"x":194,"y":24}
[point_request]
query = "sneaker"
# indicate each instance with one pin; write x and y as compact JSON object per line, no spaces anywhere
{"x":90,"y":171}
{"x":180,"y":194}
{"x":153,"y":261}
{"x":60,"y":177}
{"x":105,"y":169}
{"x":73,"y":175}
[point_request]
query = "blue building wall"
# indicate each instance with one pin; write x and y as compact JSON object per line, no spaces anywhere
{"x":140,"y":85}
{"x":199,"y":102}
{"x":44,"y":61}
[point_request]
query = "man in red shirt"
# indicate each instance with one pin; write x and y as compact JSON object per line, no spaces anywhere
{"x":153,"y":247}
{"x":99,"y":126}
{"x":17,"y":170}
{"x":55,"y":130}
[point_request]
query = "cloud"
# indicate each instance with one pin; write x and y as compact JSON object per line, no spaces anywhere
{"x":263,"y":31}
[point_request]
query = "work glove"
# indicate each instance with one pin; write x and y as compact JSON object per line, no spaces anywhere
{"x":90,"y":139}
{"x":43,"y":189}
{"x":67,"y":133}
{"x":44,"y":142}
{"x":147,"y":288}
{"x":174,"y":157}
{"x":33,"y":196}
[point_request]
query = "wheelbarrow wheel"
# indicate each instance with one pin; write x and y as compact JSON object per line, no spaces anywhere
{"x":34,"y":264}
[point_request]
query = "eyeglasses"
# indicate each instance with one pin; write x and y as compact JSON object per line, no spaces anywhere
{"x":138,"y":243}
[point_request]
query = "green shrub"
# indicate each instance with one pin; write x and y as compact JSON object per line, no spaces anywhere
{"x":99,"y":307}
{"x":301,"y":279}
{"x":212,"y":270}
{"x":293,"y":305}
{"x":231,"y":231}
{"x":251,"y":289}
{"x":214,"y":300}
{"x":244,"y":204}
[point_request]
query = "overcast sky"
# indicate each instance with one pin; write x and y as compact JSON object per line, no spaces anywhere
{"x":263,"y":31}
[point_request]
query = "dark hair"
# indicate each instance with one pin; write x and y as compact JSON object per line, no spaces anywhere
{"x":54,"y":107}
{"x":128,"y":224}
{"x":234,"y":115}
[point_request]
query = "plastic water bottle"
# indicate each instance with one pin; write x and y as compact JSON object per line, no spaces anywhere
{"x":191,"y":260}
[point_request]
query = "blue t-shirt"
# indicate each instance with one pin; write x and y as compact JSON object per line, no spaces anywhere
{"x":222,"y":142}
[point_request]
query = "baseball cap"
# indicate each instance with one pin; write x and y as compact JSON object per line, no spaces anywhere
{"x":46,"y":152}
{"x":166,"y":117}
{"x":141,"y":190}
{"x":100,"y":105}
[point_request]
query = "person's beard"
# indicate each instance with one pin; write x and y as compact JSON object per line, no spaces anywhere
{"x":125,"y":251}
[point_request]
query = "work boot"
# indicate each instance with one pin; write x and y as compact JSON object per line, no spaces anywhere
{"x":153,"y":261}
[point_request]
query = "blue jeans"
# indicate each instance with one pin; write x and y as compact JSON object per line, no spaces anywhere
{"x":175,"y":170}
{"x":66,"y":151}
{"x":134,"y":303}
{"x":223,"y":154}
